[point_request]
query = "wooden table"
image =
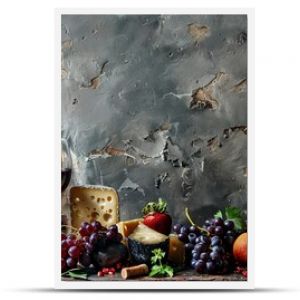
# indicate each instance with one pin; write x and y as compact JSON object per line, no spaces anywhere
{"x":186,"y":275}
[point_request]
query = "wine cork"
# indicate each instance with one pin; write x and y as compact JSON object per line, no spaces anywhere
{"x":134,"y":271}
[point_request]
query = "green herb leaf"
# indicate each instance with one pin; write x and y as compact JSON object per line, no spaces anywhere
{"x":155,"y":270}
{"x":158,"y":255}
{"x":76,"y":274}
{"x":168,"y":270}
{"x":218,"y":214}
{"x":158,"y":269}
{"x":235,"y":215}
{"x":161,"y":270}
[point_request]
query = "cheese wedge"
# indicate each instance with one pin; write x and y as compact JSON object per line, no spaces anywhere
{"x":127,"y":227}
{"x":147,"y":236}
{"x":176,"y":252}
{"x":94,"y":203}
{"x":143,"y":241}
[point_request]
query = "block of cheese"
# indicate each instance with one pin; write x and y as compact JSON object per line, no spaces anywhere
{"x":127,"y":227}
{"x":176,"y":252}
{"x":94,"y":203}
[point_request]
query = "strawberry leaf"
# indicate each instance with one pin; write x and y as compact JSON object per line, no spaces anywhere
{"x":148,"y":208}
{"x":159,"y":206}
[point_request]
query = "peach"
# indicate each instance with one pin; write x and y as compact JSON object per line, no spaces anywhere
{"x":240,"y":248}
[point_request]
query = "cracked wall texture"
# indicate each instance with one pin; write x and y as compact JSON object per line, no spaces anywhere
{"x":156,"y":106}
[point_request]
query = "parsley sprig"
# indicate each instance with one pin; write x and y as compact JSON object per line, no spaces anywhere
{"x":158,"y":268}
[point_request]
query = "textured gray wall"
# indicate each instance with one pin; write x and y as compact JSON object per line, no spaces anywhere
{"x":156,"y":105}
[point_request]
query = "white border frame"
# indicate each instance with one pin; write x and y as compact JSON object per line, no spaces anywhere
{"x":157,"y":285}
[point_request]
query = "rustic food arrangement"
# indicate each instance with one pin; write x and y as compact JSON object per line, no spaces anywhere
{"x":96,"y":245}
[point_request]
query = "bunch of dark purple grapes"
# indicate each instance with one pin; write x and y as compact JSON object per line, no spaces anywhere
{"x":77,"y":251}
{"x":208,"y":250}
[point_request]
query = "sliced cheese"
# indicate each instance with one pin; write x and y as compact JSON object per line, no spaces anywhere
{"x":94,"y":203}
{"x":147,"y":236}
{"x":176,"y":252}
{"x":127,"y":227}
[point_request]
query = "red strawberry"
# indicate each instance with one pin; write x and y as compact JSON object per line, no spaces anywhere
{"x":155,"y":216}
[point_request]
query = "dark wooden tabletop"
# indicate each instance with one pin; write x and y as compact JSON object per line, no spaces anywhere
{"x":186,"y":275}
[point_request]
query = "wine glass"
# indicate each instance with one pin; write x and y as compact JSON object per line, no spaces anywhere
{"x":66,"y":165}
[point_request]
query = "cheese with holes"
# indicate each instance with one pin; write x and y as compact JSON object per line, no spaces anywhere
{"x":127,"y":227}
{"x":94,"y":203}
{"x":176,"y":252}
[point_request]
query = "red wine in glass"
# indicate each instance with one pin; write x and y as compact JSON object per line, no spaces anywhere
{"x":66,"y":165}
{"x":65,"y":178}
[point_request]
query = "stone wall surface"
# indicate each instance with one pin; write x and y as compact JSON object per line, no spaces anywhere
{"x":156,"y":106}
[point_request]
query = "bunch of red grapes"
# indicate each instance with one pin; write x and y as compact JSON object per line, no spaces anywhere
{"x":77,"y":250}
{"x":208,"y":251}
